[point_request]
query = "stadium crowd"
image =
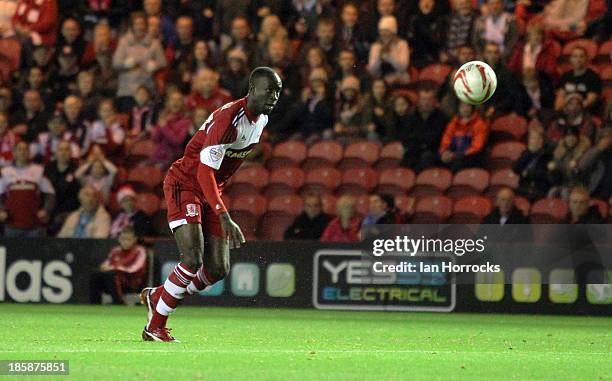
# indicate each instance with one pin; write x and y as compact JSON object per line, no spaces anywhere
{"x":98,"y":97}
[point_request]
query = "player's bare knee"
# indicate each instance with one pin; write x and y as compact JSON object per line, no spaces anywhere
{"x":192,"y":258}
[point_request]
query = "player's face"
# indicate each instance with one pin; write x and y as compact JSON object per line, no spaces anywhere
{"x":264,"y":95}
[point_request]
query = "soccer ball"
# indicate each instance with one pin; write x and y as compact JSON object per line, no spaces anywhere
{"x":475,"y":82}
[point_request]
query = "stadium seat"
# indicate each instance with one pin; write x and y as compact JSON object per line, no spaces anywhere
{"x":145,"y":177}
{"x":604,"y":51}
{"x":432,"y":181}
{"x":273,"y":224}
{"x":468,"y":182}
{"x":362,"y":204}
{"x":522,"y":204}
{"x":323,"y":154}
{"x":589,"y":45}
{"x":148,"y":203}
{"x":140,"y":152}
{"x":358,"y":181}
{"x":601,"y":205}
{"x":503,"y":155}
{"x":321,"y":180}
{"x":435,"y":72}
{"x":508,"y":127}
{"x":250,"y":179}
{"x":405,"y":204}
{"x":328,"y":202}
{"x":248,"y":223}
{"x":390,"y":156}
{"x":500,"y":179}
{"x":470,"y":210}
{"x":432,"y":210}
{"x":606,"y":74}
{"x":253,"y":203}
{"x":359,"y":155}
{"x":290,"y":203}
{"x":396,"y":181}
{"x":287,"y":154}
{"x":285,"y":180}
{"x":548,"y":211}
{"x":227,"y":200}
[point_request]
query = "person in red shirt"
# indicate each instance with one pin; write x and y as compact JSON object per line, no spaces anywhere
{"x":124,"y":270}
{"x":192,"y":190}
{"x":345,"y":227}
{"x":8,"y":140}
{"x":464,"y":139}
{"x":206,"y":91}
{"x":36,"y":20}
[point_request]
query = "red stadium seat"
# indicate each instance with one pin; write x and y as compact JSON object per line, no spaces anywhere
{"x":358,"y":181}
{"x":254,"y":204}
{"x":432,"y":181}
{"x":390,"y":156}
{"x":435,"y":72}
{"x":248,"y":223}
{"x":606,"y":73}
{"x":508,"y":127}
{"x":285,"y":180}
{"x":396,"y":181}
{"x":359,"y":154}
{"x":273,"y":224}
{"x":604,"y":51}
{"x":602,"y":206}
{"x":470,"y":210}
{"x":227,"y":200}
{"x":329,"y":203}
{"x":432,"y":210}
{"x":504,"y":178}
{"x":323,"y":154}
{"x":589,"y":45}
{"x":321,"y":180}
{"x":148,"y":203}
{"x":468,"y":182}
{"x":249,"y":179}
{"x":144,"y":148}
{"x":548,"y":211}
{"x":145,"y":177}
{"x":503,"y":155}
{"x":290,"y":153}
{"x":522,"y":204}
{"x":405,"y":204}
{"x":362,"y":204}
{"x":290,"y":203}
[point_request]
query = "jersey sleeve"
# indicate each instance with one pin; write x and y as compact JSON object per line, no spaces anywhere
{"x":218,"y":133}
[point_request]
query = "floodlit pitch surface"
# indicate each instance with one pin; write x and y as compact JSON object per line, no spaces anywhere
{"x":103,"y":343}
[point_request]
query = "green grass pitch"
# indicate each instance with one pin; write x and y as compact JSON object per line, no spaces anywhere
{"x":103,"y":343}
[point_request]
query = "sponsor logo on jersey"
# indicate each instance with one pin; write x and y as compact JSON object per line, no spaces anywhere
{"x":237,"y":155}
{"x":216,"y":154}
{"x":192,"y":210}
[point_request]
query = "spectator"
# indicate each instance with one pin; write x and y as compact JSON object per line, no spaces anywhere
{"x":171,"y":130}
{"x":460,"y":30}
{"x":130,"y":215}
{"x":314,"y":114}
{"x":381,"y":211}
{"x":206,"y":91}
{"x":71,"y":36}
{"x":36,"y":21}
{"x":10,"y":47}
{"x":32,"y":120}
{"x":351,"y":34}
{"x":74,"y":119}
{"x":142,"y":117}
{"x":106,"y":132}
{"x":182,"y":50}
{"x":401,"y":107}
{"x":309,"y":225}
{"x":573,"y":115}
{"x":271,"y":29}
{"x":566,"y":19}
{"x":184,"y":72}
{"x":497,"y":27}
{"x":198,"y":118}
{"x":596,"y":165}
{"x":353,"y":119}
{"x":136,"y":59}
{"x":348,"y":66}
{"x":422,"y":132}
{"x":27,"y":196}
{"x":98,"y":58}
{"x":505,"y":212}
{"x":91,"y":220}
{"x":166,"y":25}
{"x":236,"y":77}
{"x":315,"y":59}
{"x":44,"y":147}
{"x":124,"y":270}
{"x":326,"y":39}
{"x":379,"y":103}
{"x":563,"y":166}
{"x":464,"y":139}
{"x":536,"y":53}
{"x":242,"y":38}
{"x":580,"y":210}
{"x":8,"y":140}
{"x":531,"y":167}
{"x":278,"y":57}
{"x":36,"y":80}
{"x":98,"y":173}
{"x":61,"y":174}
{"x":426,"y":33}
{"x":580,"y":79}
{"x":539,"y":88}
{"x":390,"y":55}
{"x":449,"y":103}
{"x":64,"y":80}
{"x":344,"y":227}
{"x":307,"y":14}
{"x":89,"y":95}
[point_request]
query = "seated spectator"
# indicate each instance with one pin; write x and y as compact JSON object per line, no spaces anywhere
{"x":130,"y":215}
{"x":26,"y":196}
{"x":236,"y":77}
{"x":32,"y":120}
{"x":353,"y":120}
{"x":8,"y":140}
{"x":464,"y":139}
{"x":309,"y":225}
{"x":531,"y":168}
{"x":572,"y":115}
{"x":580,"y":212}
{"x":36,"y":21}
{"x":91,"y":220}
{"x":171,"y":130}
{"x":449,"y":103}
{"x":106,"y":132}
{"x":595,"y":166}
{"x":390,"y":55}
{"x":242,"y":38}
{"x":36,"y":80}
{"x":352,"y":34}
{"x":206,"y":91}
{"x":74,"y":118}
{"x":460,"y":30}
{"x":580,"y":79}
{"x":89,"y":94}
{"x":347,"y":67}
{"x":271,"y":29}
{"x":44,"y":147}
{"x":426,"y":33}
{"x":422,"y":132}
{"x":505,"y":211}
{"x":325,"y":38}
{"x":563,"y":168}
{"x":10,"y":47}
{"x":380,"y":105}
{"x":137,"y":58}
{"x":142,"y":116}
{"x":497,"y":27}
{"x":314,"y":115}
{"x":98,"y":173}
{"x":344,"y":227}
{"x":315,"y":61}
{"x":64,"y":80}
{"x":278,"y":57}
{"x":198,"y":118}
{"x":98,"y":58}
{"x":381,"y":211}
{"x":535,"y":53}
{"x":71,"y":36}
{"x":540,"y":91}
{"x":123,"y":271}
{"x":566,"y":19}
{"x":153,"y":8}
{"x":61,"y":174}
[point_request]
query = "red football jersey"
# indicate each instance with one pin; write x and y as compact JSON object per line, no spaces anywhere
{"x":222,"y":143}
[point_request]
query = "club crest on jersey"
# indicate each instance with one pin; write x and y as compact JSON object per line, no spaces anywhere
{"x":192,"y":210}
{"x":237,"y":155}
{"x":216,"y":154}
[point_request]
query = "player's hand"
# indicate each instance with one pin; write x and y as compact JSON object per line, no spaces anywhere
{"x":231,"y":230}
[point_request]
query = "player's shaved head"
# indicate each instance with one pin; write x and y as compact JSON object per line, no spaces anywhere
{"x":264,"y":90}
{"x":264,"y":71}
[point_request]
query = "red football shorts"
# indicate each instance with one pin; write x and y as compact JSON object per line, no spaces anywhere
{"x":187,"y":207}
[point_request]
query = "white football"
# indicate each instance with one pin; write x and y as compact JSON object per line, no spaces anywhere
{"x":475,"y":82}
